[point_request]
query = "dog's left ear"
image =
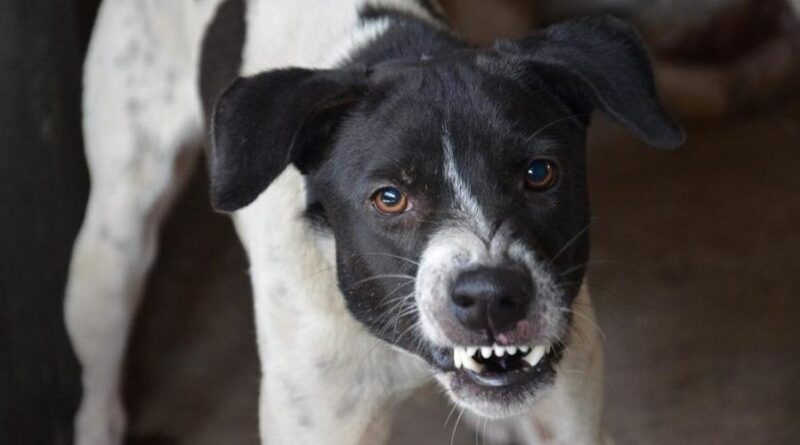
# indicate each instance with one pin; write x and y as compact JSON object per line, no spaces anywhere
{"x":261,"y":124}
{"x":598,"y":62}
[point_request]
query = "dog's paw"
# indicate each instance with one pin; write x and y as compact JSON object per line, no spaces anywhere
{"x":100,"y":422}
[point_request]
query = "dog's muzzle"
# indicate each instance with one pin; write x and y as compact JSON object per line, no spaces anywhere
{"x":493,"y":319}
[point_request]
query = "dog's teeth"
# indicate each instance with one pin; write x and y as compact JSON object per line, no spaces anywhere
{"x":472,"y":350}
{"x":486,"y":351}
{"x":536,"y":354}
{"x":524,"y":349}
{"x":458,"y":357}
{"x":499,"y":350}
{"x":470,"y":363}
{"x":511,"y":350}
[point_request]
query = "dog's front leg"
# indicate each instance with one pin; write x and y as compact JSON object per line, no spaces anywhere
{"x":333,"y":392}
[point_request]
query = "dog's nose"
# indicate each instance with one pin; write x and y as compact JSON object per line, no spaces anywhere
{"x":491,"y":299}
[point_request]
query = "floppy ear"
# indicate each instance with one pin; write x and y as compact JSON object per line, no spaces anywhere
{"x":598,"y":62}
{"x":260,"y":124}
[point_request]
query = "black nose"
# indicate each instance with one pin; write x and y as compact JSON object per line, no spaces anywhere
{"x":491,"y":298}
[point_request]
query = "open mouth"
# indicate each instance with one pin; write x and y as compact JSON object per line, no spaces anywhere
{"x":497,"y":366}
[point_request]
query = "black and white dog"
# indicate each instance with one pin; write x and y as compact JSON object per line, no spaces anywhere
{"x":412,"y":207}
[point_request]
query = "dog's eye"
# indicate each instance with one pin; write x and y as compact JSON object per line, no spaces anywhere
{"x":390,"y":201}
{"x":541,"y":174}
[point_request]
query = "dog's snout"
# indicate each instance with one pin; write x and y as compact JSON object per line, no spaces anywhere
{"x":491,"y":299}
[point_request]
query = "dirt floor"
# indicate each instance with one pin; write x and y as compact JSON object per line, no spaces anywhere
{"x":696,"y":279}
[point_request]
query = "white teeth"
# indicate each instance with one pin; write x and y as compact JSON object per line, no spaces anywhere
{"x":457,"y":357}
{"x":535,"y":355}
{"x":464,"y":356}
{"x":462,"y":359}
{"x":470,"y":363}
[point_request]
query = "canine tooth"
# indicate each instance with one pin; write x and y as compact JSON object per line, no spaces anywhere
{"x":535,"y":355}
{"x":486,"y":351}
{"x":511,"y":350}
{"x":524,"y":349}
{"x":470,"y":363}
{"x":457,"y":358}
{"x":499,"y":350}
{"x":472,"y":350}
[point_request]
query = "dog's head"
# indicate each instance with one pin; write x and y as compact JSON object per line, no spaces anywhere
{"x":454,"y":187}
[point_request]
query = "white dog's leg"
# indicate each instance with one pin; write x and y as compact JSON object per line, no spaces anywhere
{"x":142,"y":128}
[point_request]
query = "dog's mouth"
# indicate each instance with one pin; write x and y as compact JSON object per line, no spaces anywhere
{"x":503,"y":366}
{"x":498,"y":366}
{"x":498,"y":381}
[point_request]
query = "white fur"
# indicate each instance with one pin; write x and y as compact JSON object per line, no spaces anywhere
{"x":465,"y":200}
{"x":142,"y":122}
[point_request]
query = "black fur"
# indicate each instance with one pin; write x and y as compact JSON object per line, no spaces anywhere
{"x":221,"y":52}
{"x":598,"y":62}
{"x":263,"y":123}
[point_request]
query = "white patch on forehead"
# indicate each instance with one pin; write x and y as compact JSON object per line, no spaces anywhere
{"x":465,"y":200}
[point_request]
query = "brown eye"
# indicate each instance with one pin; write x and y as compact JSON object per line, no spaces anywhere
{"x":390,"y":201}
{"x":541,"y":174}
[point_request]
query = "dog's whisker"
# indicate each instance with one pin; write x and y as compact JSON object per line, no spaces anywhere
{"x":383,"y":276}
{"x":392,"y":322}
{"x":409,"y":329}
{"x":398,"y":304}
{"x":409,"y":260}
{"x":450,"y":414}
{"x":477,"y":434}
{"x":605,"y":290}
{"x":569,"y":243}
{"x":592,"y":324}
{"x":455,"y":427}
{"x":383,"y":300}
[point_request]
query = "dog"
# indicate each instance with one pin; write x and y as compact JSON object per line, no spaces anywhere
{"x":413,"y":208}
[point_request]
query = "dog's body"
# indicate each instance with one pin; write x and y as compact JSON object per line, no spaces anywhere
{"x":330,"y":371}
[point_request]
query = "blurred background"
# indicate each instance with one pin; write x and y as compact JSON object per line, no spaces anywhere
{"x":695,"y":267}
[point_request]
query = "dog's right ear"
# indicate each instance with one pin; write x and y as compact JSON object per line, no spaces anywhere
{"x":598,"y":62}
{"x":260,"y":124}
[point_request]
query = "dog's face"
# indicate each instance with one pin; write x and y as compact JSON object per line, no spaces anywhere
{"x":454,"y":188}
{"x":457,"y":198}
